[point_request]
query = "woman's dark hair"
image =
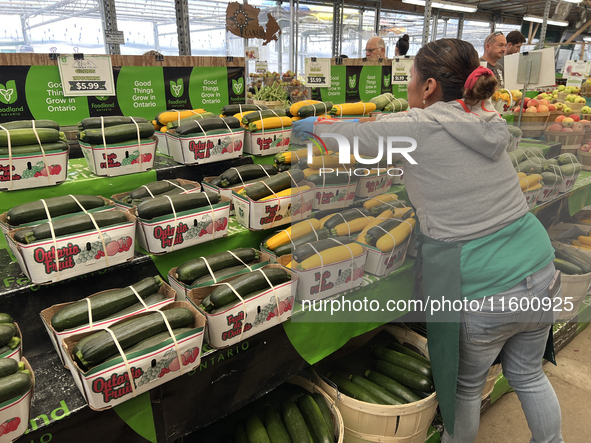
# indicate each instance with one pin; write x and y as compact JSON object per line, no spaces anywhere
{"x":450,"y":62}
{"x":402,"y":44}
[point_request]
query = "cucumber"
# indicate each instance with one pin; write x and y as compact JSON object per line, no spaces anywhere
{"x":14,"y":386}
{"x":193,"y":269}
{"x":99,"y":347}
{"x":8,"y":366}
{"x":95,"y":122}
{"x":240,"y":433}
{"x":377,"y":232}
{"x":348,"y":215}
{"x":308,"y":250}
{"x":103,"y":305}
{"x":314,"y":419}
{"x":117,"y":134}
{"x":326,"y":414}
{"x":408,"y":378}
{"x":159,"y":206}
{"x":276,"y":183}
{"x":247,"y":172}
{"x":332,"y":178}
{"x":315,"y":109}
{"x":377,"y":210}
{"x":395,"y":346}
{"x":220,"y":275}
{"x":22,"y":137}
{"x":256,"y":116}
{"x":208,"y":124}
{"x":157,"y":187}
{"x":570,"y":258}
{"x":175,"y":124}
{"x":352,"y":390}
{"x":562,"y":265}
{"x":571,"y":254}
{"x":392,"y":386}
{"x":34,"y":148}
{"x":26,"y":124}
{"x":294,"y":422}
{"x":12,"y":327}
{"x":246,"y":284}
{"x":421,"y":394}
{"x":377,"y":391}
{"x":6,"y":335}
{"x":275,"y":428}
{"x":403,"y":361}
{"x":236,"y":109}
{"x":35,"y":211}
{"x":255,"y":430}
{"x":5,"y":318}
{"x":70,"y":225}
{"x":321,"y":234}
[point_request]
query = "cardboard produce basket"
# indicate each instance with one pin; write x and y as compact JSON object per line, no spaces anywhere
{"x":17,"y":352}
{"x":118,"y":198}
{"x":33,"y":170}
{"x":214,"y":146}
{"x":14,"y":413}
{"x":584,"y":159}
{"x":116,"y":159}
{"x":267,"y":141}
{"x":567,"y":139}
{"x":533,"y":124}
{"x":277,"y":104}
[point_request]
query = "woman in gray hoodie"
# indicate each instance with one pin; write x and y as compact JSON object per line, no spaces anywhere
{"x":478,"y":240}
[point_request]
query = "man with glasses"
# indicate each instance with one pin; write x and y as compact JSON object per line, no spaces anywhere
{"x":375,"y":48}
{"x":494,"y":50}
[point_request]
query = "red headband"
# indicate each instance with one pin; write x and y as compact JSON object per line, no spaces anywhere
{"x":476,"y":74}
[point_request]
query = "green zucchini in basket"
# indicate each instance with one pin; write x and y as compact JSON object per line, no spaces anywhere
{"x":34,"y":148}
{"x":70,"y":225}
{"x":95,"y":122}
{"x":96,"y":348}
{"x":287,"y":248}
{"x":332,"y":178}
{"x":7,"y":336}
{"x":176,"y":190}
{"x":216,"y":181}
{"x":23,"y":137}
{"x":242,"y":173}
{"x":377,"y":210}
{"x":348,"y":215}
{"x":410,"y":379}
{"x":377,"y":391}
{"x":392,"y":386}
{"x":8,"y":366}
{"x":161,"y":205}
{"x":282,"y":167}
{"x":308,"y":249}
{"x":175,"y":124}
{"x":14,"y":386}
{"x":220,"y":275}
{"x":103,"y":305}
{"x":27,"y":124}
{"x":5,"y":318}
{"x":193,"y":269}
{"x":34,"y":211}
{"x":352,"y":390}
{"x":153,"y":341}
{"x":403,"y":361}
{"x":157,"y":187}
{"x":256,"y":116}
{"x":277,"y":183}
{"x":314,"y":419}
{"x":236,"y":109}
{"x":149,"y":301}
{"x":117,"y":134}
{"x":315,"y":109}
{"x":208,"y":124}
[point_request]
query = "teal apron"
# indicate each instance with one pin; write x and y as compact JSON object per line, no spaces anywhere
{"x":442,"y":280}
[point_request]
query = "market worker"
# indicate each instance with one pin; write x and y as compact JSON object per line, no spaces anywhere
{"x":402,"y":45}
{"x":494,"y":50}
{"x":375,"y":47}
{"x":478,"y":241}
{"x":515,"y":41}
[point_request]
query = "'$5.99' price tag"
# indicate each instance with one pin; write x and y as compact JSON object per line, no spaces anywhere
{"x":87,"y":86}
{"x":317,"y":71}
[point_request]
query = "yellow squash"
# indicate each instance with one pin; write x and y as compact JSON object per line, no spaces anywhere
{"x":331,"y":255}
{"x":296,"y":231}
{"x":398,"y":235}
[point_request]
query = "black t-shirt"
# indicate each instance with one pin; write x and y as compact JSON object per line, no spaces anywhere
{"x":498,"y":70}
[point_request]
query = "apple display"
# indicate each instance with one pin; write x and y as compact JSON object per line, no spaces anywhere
{"x":567,"y":122}
{"x":555,"y":127}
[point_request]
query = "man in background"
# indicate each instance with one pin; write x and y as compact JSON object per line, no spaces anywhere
{"x":515,"y":40}
{"x":375,"y":48}
{"x":494,"y":50}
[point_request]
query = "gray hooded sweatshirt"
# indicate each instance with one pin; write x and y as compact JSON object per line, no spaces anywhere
{"x":464,"y":185}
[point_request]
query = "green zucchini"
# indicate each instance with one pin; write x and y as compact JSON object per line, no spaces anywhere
{"x":70,"y":225}
{"x":240,"y":433}
{"x":242,"y":173}
{"x":100,"y":346}
{"x":153,"y":341}
{"x":32,"y":149}
{"x":332,"y":178}
{"x":382,"y":100}
{"x":282,"y":167}
{"x":567,"y":159}
{"x":12,"y":327}
{"x":210,"y":309}
{"x":6,"y":335}
{"x":374,"y":234}
{"x":326,"y":414}
{"x":314,"y":419}
{"x":392,"y":386}
{"x":570,"y":169}
{"x":150,"y":300}
{"x":566,"y":267}
{"x":175,"y":124}
{"x":421,"y":394}
{"x":352,"y":390}
{"x":35,"y":211}
{"x":550,"y":179}
{"x":208,"y":124}
{"x":256,"y":116}
{"x":315,"y":109}
{"x":159,"y":206}
{"x":8,"y":366}
{"x":275,"y":428}
{"x":193,"y":269}
{"x":410,"y":379}
{"x":117,"y":134}
{"x":294,"y":422}
{"x":321,"y":234}
{"x":246,"y":284}
{"x":220,"y":275}
{"x":276,"y":183}
{"x":103,"y":305}
{"x":114,"y":120}
{"x":377,"y":210}
{"x":4,"y":350}
{"x":27,"y":124}
{"x":22,"y":137}
{"x":308,"y":250}
{"x":255,"y":430}
{"x":236,"y":109}
{"x":348,"y":215}
{"x":395,"y":346}
{"x":216,"y":181}
{"x":377,"y":391}
{"x":156,"y":188}
{"x":14,"y":386}
{"x":174,"y":191}
{"x":5,"y":318}
{"x":571,"y":254}
{"x":403,"y":361}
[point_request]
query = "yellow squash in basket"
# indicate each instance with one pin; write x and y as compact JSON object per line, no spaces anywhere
{"x":331,"y":255}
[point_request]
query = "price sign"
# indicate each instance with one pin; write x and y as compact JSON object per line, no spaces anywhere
{"x":318,"y":72}
{"x":401,"y":71}
{"x":260,"y":66}
{"x":86,"y":76}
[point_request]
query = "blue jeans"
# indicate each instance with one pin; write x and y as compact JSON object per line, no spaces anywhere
{"x":520,"y":337}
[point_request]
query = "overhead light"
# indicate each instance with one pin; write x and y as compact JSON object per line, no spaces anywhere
{"x":443,"y":5}
{"x":573,"y":1}
{"x":536,"y":19}
{"x":587,"y":39}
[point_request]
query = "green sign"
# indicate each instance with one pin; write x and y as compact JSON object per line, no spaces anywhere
{"x":400,"y":91}
{"x":370,"y":82}
{"x":210,"y":88}
{"x":140,"y":91}
{"x":336,"y":92}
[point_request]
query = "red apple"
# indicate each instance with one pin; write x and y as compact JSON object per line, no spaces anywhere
{"x":560,"y":118}
{"x":577,"y":127}
{"x":516,"y":109}
{"x":566,"y":130}
{"x":575,"y":117}
{"x":526,"y":101}
{"x":585,"y":123}
{"x":543,"y":108}
{"x":544,"y":102}
{"x":555,"y":127}
{"x":532,"y":102}
{"x":531,"y":109}
{"x":585,"y":148}
{"x":551,"y":108}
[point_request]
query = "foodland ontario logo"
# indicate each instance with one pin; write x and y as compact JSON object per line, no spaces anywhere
{"x":238,"y":86}
{"x":8,"y":94}
{"x":177,"y":88}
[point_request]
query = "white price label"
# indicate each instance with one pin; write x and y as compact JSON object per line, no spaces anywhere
{"x":401,"y":71}
{"x":317,"y":72}
{"x":88,"y":75}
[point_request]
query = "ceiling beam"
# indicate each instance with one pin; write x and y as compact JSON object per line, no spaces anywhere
{"x":581,"y":29}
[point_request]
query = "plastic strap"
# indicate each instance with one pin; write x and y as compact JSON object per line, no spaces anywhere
{"x":321,"y":260}
{"x":42,"y":151}
{"x":363,"y":114}
{"x":178,"y":117}
{"x":204,"y":133}
{"x":289,"y":236}
{"x":9,"y":153}
{"x":301,"y":195}
{"x":274,"y":294}
{"x":55,"y":258}
{"x":125,"y":361}
{"x":352,"y":256}
{"x":79,"y":204}
{"x":177,"y":186}
{"x":105,"y":144}
{"x":240,"y":260}
{"x":212,"y":215}
{"x":280,"y":119}
{"x":296,"y":154}
{"x":243,"y":307}
{"x":149,"y":192}
{"x":139,"y":141}
{"x":262,"y":122}
{"x":138,"y":296}
{"x":232,"y":137}
{"x":393,"y":241}
{"x":264,"y":170}
{"x":278,"y":202}
{"x":175,"y":222}
{"x":240,"y":176}
{"x":100,"y":233}
{"x":176,"y":344}
{"x":89,"y":304}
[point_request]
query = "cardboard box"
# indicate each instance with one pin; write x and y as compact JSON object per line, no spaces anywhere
{"x":30,"y":171}
{"x":374,"y":184}
{"x":548,"y":193}
{"x":37,"y":260}
{"x":183,"y":289}
{"x":57,"y":337}
{"x":162,"y":144}
{"x":226,"y":192}
{"x":338,"y":196}
{"x":17,"y":352}
{"x":217,"y":145}
{"x":568,"y":181}
{"x":118,"y":198}
{"x":258,"y":314}
{"x":193,"y":226}
{"x":107,"y":384}
{"x":123,"y":158}
{"x":531,"y":197}
{"x":381,"y":263}
{"x":269,"y":214}
{"x":14,"y":413}
{"x":267,"y":142}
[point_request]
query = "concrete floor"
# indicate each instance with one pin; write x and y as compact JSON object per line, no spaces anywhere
{"x":505,"y":422}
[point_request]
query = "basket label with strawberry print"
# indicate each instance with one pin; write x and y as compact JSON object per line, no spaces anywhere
{"x":267,"y":142}
{"x":33,"y":171}
{"x":334,"y":196}
{"x":14,"y":413}
{"x":381,"y":263}
{"x":120,"y":159}
{"x":108,"y":385}
{"x":375,"y":184}
{"x":192,"y":227}
{"x":77,"y":254}
{"x":217,"y":145}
